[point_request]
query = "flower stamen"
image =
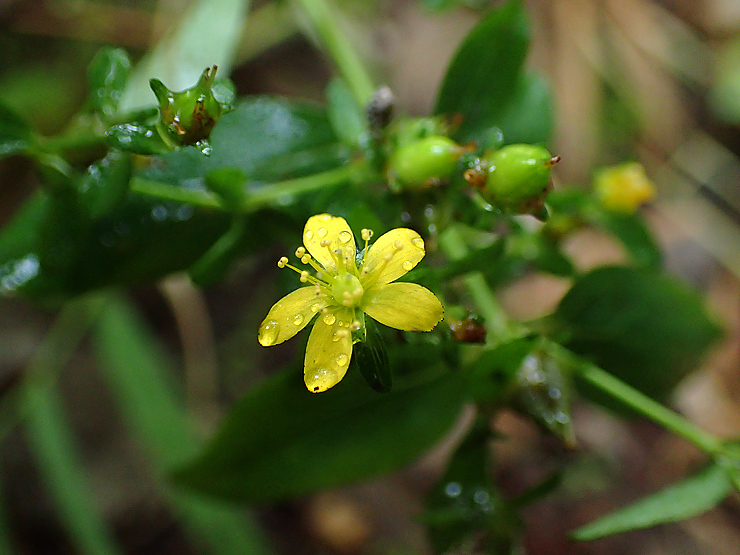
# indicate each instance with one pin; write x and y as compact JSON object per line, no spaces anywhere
{"x":305,"y":277}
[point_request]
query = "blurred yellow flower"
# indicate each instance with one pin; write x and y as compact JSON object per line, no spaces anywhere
{"x":624,"y":188}
{"x":343,"y":289}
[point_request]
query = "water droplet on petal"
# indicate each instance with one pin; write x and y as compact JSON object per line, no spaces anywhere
{"x":268,"y":333}
{"x":341,"y":359}
{"x":322,"y":232}
{"x":329,"y":319}
{"x":345,"y":236}
{"x":308,"y":234}
{"x":418,"y":242}
{"x":315,"y":307}
{"x":408,"y":265}
{"x":298,"y":319}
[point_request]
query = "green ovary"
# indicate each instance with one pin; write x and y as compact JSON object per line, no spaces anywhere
{"x":347,"y":290}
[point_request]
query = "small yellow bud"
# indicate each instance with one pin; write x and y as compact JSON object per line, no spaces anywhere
{"x":624,"y":188}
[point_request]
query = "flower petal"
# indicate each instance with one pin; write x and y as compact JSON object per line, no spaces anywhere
{"x":291,"y":314}
{"x":328,"y":351}
{"x":404,"y":306}
{"x":394,"y":254}
{"x":325,"y":227}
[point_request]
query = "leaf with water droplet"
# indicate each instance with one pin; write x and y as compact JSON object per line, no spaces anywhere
{"x":281,"y":441}
{"x":465,"y":504}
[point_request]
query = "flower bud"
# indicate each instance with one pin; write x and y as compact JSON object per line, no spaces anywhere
{"x":424,"y":162}
{"x":519,"y":176}
{"x":624,"y":188}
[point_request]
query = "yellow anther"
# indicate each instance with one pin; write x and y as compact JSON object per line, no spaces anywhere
{"x":306,"y":258}
{"x":304,"y":276}
{"x":325,"y":243}
{"x":398,"y":246}
{"x":282,"y":262}
{"x":299,"y":252}
{"x":367,"y":234}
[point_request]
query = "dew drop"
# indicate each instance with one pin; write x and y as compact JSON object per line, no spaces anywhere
{"x":315,"y":307}
{"x":418,"y":242}
{"x":268,"y":333}
{"x":322,"y":232}
{"x":453,"y":489}
{"x":341,"y":359}
{"x":329,"y":319}
{"x":408,"y":265}
{"x":298,"y":319}
{"x":308,"y":234}
{"x":345,"y":236}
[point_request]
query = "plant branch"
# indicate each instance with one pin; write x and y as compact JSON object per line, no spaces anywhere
{"x":340,"y":49}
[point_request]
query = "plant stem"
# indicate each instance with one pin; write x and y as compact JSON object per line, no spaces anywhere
{"x":50,"y":438}
{"x":253,"y":200}
{"x":641,"y":403}
{"x":51,"y":356}
{"x":52,"y":443}
{"x":340,"y":49}
{"x":497,"y":321}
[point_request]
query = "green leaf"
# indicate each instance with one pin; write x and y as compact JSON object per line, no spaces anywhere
{"x":632,"y":232}
{"x":528,"y":116}
{"x":466,"y":504}
{"x":346,"y":117}
{"x":282,"y":441}
{"x":107,"y":75}
{"x":137,"y":137}
{"x":486,"y":72}
{"x":105,"y":184}
{"x":686,"y":499}
{"x":15,"y":133}
{"x":207,"y":35}
{"x":51,"y":249}
{"x":268,"y":139}
{"x":645,"y":328}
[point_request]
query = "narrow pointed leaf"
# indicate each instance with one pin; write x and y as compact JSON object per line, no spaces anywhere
{"x":688,"y":498}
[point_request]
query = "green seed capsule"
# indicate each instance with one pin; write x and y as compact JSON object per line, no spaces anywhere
{"x":424,"y":162}
{"x":518,"y":173}
{"x":189,"y":116}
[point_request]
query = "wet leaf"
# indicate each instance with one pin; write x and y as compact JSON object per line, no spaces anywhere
{"x":283,"y":441}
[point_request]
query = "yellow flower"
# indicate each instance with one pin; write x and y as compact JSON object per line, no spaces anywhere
{"x":344,"y":288}
{"x":624,"y":188}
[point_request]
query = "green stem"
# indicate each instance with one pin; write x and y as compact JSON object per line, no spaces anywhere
{"x":53,"y":354}
{"x":254,"y":200}
{"x":340,"y":49}
{"x":50,"y":437}
{"x":497,"y":321}
{"x":643,"y":404}
{"x":52,"y":443}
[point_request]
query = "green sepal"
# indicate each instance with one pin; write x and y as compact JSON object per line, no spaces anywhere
{"x":371,"y":359}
